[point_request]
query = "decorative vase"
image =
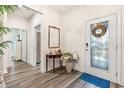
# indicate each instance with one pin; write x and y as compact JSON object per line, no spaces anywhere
{"x":2,"y":84}
{"x":69,"y":66}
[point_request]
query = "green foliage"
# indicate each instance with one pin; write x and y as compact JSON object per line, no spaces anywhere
{"x":4,"y":30}
{"x":3,"y":45}
{"x":67,"y":56}
{"x":7,"y":9}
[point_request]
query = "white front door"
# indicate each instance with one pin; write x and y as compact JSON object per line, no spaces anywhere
{"x":101,"y":47}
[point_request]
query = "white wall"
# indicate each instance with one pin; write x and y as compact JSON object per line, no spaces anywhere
{"x":122,"y":49}
{"x":17,"y":22}
{"x":50,"y":17}
{"x":73,"y":29}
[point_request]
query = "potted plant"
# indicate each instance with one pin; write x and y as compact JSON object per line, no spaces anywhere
{"x":69,"y":59}
{"x":4,"y":9}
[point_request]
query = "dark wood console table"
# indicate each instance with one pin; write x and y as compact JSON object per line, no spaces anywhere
{"x":48,"y":56}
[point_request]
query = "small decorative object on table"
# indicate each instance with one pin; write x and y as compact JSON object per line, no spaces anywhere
{"x":55,"y":51}
{"x":70,"y":59}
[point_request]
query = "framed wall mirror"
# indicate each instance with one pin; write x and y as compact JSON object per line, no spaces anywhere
{"x":53,"y":37}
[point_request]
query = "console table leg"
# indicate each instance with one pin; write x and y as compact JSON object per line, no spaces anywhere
{"x":53,"y":65}
{"x":61,"y":65}
{"x":46,"y":64}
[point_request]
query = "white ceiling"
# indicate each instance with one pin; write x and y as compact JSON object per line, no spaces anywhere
{"x":63,"y":8}
{"x":23,"y":12}
{"x":27,"y":13}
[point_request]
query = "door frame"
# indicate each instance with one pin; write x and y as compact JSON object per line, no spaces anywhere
{"x":25,"y":30}
{"x":118,"y":47}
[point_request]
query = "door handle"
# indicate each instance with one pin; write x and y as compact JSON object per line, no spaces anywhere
{"x":86,"y":46}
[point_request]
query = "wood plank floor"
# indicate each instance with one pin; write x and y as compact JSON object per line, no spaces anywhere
{"x":23,"y":75}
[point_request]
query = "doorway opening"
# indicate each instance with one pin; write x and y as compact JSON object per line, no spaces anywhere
{"x":18,"y":44}
{"x":38,"y":44}
{"x":25,"y":35}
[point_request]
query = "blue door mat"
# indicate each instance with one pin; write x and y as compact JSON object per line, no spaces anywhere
{"x":95,"y":80}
